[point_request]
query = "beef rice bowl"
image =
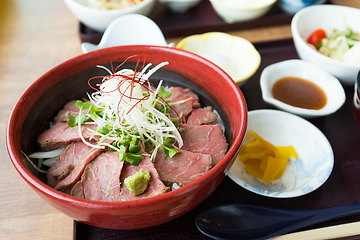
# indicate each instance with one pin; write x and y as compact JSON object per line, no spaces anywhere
{"x":165,"y":197}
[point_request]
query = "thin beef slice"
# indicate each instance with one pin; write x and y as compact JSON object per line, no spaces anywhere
{"x":155,"y":186}
{"x":70,"y":108}
{"x":180,"y":94}
{"x":201,"y":116}
{"x":205,"y":139}
{"x":69,"y":166}
{"x":62,"y":134}
{"x":182,"y":168}
{"x":101,"y":179}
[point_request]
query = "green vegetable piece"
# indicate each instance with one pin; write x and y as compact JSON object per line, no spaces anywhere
{"x":138,"y":182}
{"x":164,"y":94}
{"x":134,"y":148}
{"x":170,"y":150}
{"x":96,"y":112}
{"x":135,"y":139}
{"x":168,"y":141}
{"x":104,"y":130}
{"x":349,"y":33}
{"x":149,"y":145}
{"x":72,"y":121}
{"x":126,"y":141}
{"x":122,"y":151}
{"x":164,"y":109}
{"x":132,"y":158}
{"x":319,"y":45}
{"x":82,"y":105}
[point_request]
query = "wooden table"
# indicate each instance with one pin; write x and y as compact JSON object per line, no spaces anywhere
{"x":35,"y":36}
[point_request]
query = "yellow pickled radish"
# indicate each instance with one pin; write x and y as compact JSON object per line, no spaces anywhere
{"x":243,"y":158}
{"x":290,"y":150}
{"x":274,"y":166}
{"x":263,"y":160}
{"x":264,"y":163}
{"x":253,"y":167}
{"x":263,"y":142}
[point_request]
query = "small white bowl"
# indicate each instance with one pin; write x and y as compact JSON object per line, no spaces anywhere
{"x":235,"y":55}
{"x":301,"y":69}
{"x":293,"y":6}
{"x":180,"y":6}
{"x":98,"y":19}
{"x":140,"y":30}
{"x":232,"y":11}
{"x":301,"y":176}
{"x":326,"y":17}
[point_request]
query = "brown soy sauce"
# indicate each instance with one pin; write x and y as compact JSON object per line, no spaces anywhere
{"x":299,"y":92}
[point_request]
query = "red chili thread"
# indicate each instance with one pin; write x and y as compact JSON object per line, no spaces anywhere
{"x":133,"y":81}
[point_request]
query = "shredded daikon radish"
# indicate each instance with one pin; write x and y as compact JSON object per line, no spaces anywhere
{"x":127,"y":110}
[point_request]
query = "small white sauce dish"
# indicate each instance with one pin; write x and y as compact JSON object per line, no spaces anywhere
{"x":292,"y":6}
{"x":180,"y":6}
{"x":333,"y":89}
{"x":139,"y":29}
{"x":302,"y":175}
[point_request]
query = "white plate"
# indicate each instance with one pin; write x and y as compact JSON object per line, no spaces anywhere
{"x":301,"y":176}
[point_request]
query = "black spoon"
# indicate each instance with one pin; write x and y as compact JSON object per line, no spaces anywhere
{"x":255,"y":222}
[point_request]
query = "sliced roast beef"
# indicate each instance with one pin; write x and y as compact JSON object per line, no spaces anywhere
{"x":182,"y":168}
{"x":180,"y":94}
{"x":101,"y":179}
{"x":78,"y":190}
{"x":200,"y":116}
{"x":70,"y":108}
{"x":155,"y":186}
{"x":205,"y":139}
{"x":61,"y":134}
{"x":67,"y":169}
{"x":182,"y":108}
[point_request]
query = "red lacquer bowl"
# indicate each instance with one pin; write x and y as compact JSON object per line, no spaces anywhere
{"x":39,"y":104}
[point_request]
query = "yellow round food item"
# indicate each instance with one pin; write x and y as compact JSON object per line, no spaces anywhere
{"x":235,"y":55}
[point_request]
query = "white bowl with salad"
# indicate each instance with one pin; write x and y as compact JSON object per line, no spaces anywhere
{"x":329,"y":36}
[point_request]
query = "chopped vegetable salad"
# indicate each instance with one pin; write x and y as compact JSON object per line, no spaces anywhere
{"x":340,"y":45}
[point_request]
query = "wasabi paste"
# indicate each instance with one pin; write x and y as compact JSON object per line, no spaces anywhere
{"x":138,"y":182}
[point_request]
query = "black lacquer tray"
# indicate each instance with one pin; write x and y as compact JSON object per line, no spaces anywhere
{"x":342,"y":187}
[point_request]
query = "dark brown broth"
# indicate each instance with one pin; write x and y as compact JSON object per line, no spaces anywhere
{"x":299,"y":92}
